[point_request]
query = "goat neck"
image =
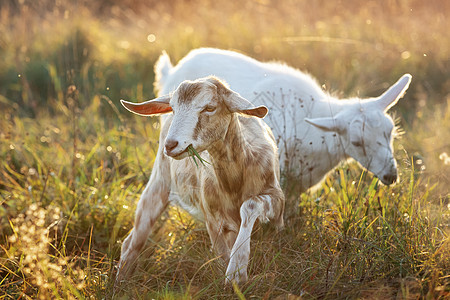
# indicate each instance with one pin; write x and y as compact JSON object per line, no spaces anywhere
{"x":227,"y":157}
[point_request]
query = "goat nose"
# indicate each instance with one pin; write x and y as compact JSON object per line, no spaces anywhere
{"x":390,"y":178}
{"x":170,"y":145}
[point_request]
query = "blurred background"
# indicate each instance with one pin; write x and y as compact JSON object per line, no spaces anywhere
{"x":350,"y":46}
{"x":68,"y":147}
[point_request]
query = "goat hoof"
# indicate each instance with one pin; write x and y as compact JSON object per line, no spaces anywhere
{"x":235,"y":276}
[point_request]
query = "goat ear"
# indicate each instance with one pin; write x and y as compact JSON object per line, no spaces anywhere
{"x":326,"y":124}
{"x":237,"y":103}
{"x":393,"y":94}
{"x":153,"y":107}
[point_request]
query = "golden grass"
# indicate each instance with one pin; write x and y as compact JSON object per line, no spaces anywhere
{"x":73,"y":164}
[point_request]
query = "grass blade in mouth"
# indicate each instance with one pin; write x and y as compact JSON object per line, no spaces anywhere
{"x":195,"y":155}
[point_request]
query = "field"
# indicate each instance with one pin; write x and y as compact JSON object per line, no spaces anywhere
{"x":73,"y":162}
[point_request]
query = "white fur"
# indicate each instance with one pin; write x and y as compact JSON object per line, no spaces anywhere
{"x":314,"y":131}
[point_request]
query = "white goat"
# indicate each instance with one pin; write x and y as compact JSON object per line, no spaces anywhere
{"x":240,"y":184}
{"x":313,"y":130}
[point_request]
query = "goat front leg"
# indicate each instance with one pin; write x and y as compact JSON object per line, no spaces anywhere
{"x":264,"y":207}
{"x":152,"y":203}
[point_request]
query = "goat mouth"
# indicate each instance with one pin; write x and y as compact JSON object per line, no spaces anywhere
{"x":180,"y":155}
{"x":185,"y":151}
{"x":388,"y":179}
{"x":388,"y":182}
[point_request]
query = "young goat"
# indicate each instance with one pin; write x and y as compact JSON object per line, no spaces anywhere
{"x":239,"y":184}
{"x":313,"y":130}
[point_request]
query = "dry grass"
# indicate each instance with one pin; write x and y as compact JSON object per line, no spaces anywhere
{"x":72,"y":164}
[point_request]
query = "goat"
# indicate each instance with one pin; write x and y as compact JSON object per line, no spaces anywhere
{"x":314,"y":131}
{"x":239,"y":185}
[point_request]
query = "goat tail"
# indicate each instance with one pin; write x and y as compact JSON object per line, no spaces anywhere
{"x":162,"y":69}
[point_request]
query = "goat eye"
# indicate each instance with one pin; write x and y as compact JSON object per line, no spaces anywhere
{"x":357,"y":143}
{"x":209,"y":109}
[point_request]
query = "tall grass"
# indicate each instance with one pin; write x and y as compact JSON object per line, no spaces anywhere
{"x":73,"y":163}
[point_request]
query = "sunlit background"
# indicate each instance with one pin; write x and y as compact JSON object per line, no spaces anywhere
{"x":73,"y":162}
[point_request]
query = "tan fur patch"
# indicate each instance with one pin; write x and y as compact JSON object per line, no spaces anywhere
{"x":222,"y":89}
{"x":188,"y":91}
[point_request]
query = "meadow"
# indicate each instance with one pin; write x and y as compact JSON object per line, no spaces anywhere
{"x":73,"y":162}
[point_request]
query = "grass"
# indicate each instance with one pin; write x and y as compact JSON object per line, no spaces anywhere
{"x":73,"y":163}
{"x":196,"y":156}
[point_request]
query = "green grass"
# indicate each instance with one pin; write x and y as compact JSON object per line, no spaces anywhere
{"x":194,"y":155}
{"x":73,"y":162}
